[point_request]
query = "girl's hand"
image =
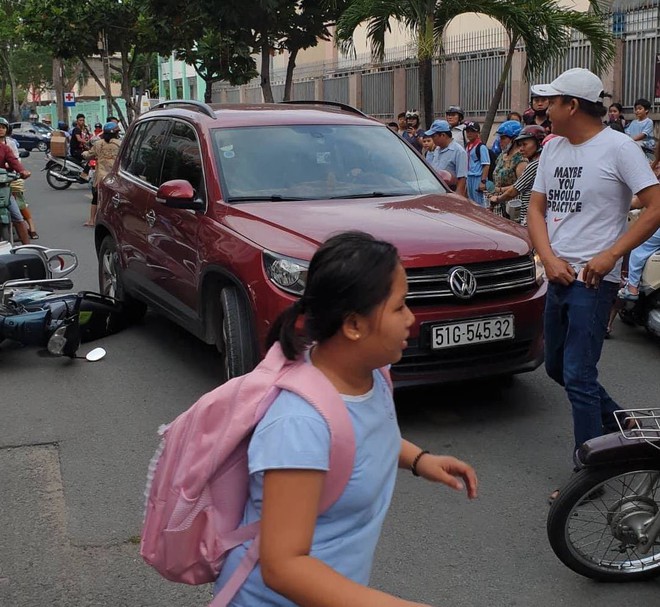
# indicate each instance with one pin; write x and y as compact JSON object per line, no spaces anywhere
{"x":448,"y":470}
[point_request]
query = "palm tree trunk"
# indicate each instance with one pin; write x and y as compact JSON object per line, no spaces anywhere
{"x":290,"y":66}
{"x":499,"y":90}
{"x":425,"y":56}
{"x":426,"y":91}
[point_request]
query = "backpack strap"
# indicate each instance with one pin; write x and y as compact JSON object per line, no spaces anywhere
{"x":313,"y":386}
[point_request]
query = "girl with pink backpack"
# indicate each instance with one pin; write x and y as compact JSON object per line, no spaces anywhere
{"x":355,"y":322}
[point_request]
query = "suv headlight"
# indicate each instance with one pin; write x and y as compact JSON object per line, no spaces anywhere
{"x":538,"y":268}
{"x":287,"y":273}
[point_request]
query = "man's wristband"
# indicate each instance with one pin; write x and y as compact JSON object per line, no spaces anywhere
{"x":484,"y":181}
{"x":413,"y":466}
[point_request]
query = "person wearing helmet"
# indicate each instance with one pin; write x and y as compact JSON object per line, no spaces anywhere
{"x":413,"y":134}
{"x":530,"y":143}
{"x":455,"y":116}
{"x":538,"y":113}
{"x":510,"y":163}
{"x":105,"y":150}
{"x":98,"y":129}
{"x":18,"y":207}
{"x":577,"y":223}
{"x":9,"y":160}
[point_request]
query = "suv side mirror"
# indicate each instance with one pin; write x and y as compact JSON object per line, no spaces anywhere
{"x":179,"y":194}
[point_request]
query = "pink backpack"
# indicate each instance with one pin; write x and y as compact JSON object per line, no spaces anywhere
{"x":198,"y":478}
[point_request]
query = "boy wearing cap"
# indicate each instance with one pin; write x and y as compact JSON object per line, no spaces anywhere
{"x":478,"y":164}
{"x":577,"y":223}
{"x":448,"y":155}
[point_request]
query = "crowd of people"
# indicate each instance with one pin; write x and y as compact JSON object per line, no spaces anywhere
{"x":500,"y":177}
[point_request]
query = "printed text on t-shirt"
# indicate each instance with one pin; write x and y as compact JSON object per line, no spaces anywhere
{"x":565,"y":198}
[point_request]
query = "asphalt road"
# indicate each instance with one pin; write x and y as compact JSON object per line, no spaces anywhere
{"x":76,"y":438}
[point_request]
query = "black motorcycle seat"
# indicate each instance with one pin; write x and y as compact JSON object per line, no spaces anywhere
{"x":611,"y":449}
{"x":23,"y":265}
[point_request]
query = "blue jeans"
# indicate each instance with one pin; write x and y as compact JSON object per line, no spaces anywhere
{"x":575,"y":324}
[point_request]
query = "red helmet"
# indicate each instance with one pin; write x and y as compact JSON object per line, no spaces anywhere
{"x":532,"y":131}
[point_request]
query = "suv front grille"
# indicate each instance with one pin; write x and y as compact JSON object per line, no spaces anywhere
{"x":427,"y":286}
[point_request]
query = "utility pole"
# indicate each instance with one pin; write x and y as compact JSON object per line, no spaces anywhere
{"x":105,"y":60}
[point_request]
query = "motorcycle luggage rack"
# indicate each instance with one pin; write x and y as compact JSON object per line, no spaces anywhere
{"x":640,"y":423}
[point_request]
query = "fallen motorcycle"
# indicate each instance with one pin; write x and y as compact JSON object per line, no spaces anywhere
{"x":62,"y":172}
{"x":605,"y":523}
{"x":32,"y":314}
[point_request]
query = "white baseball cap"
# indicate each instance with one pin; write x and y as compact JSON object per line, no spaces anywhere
{"x":577,"y":82}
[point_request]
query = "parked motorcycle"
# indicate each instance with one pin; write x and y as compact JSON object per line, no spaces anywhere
{"x":62,"y":172}
{"x":645,"y":312}
{"x":605,"y":523}
{"x":32,"y":314}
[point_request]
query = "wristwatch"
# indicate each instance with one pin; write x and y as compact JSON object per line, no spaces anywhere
{"x":484,"y":181}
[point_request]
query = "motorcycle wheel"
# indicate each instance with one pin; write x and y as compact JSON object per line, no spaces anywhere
{"x":591,"y":525}
{"x":54,"y":182}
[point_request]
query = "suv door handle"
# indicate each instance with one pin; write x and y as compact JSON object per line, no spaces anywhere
{"x":150,"y":216}
{"x":117,"y":200}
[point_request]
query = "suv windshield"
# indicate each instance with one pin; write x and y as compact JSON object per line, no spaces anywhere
{"x":311,"y":162}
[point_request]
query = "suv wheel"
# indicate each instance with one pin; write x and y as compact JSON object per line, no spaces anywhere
{"x":110,"y":283}
{"x":234,"y":334}
{"x":42,"y":146}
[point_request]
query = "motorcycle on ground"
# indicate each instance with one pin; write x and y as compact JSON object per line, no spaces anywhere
{"x":61,"y":172}
{"x":32,"y":314}
{"x":605,"y":523}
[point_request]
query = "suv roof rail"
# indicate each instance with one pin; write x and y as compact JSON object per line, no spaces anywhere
{"x":205,"y":108}
{"x":343,"y":106}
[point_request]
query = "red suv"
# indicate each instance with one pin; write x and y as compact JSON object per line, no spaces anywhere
{"x":212,"y":213}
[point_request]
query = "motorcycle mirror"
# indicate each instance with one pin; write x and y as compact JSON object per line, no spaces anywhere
{"x":95,"y":354}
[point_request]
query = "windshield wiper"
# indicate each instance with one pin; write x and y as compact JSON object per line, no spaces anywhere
{"x":272,"y":198}
{"x":370,"y":195}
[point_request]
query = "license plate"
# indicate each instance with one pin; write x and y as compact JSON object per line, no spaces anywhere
{"x":472,"y":332}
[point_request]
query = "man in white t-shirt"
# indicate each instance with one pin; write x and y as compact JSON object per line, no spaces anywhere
{"x":577,"y":220}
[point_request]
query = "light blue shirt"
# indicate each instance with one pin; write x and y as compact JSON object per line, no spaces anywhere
{"x":292,"y":435}
{"x":637,"y":127}
{"x":452,"y":158}
{"x":476,"y":165}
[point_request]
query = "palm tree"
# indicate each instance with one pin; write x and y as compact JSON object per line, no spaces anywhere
{"x":546,"y":32}
{"x":416,"y":15}
{"x":542,"y":25}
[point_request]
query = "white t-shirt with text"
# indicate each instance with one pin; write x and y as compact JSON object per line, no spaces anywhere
{"x":588,"y":188}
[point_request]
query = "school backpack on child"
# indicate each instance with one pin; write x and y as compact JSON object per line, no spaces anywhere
{"x":198,"y":479}
{"x":493,"y":159}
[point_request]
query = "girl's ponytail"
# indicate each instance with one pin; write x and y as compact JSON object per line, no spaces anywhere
{"x":283,"y":330}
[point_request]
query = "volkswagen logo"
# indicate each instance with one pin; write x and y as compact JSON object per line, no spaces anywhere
{"x":462,"y":282}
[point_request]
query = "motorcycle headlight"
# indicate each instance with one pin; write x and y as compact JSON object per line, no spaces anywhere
{"x":287,"y":273}
{"x":539,"y":269}
{"x":57,"y":342}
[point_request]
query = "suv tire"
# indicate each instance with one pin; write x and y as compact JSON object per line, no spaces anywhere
{"x":234,"y":334}
{"x":110,"y":282}
{"x":42,"y":146}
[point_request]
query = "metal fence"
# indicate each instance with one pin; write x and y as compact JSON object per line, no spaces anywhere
{"x":377,"y":97}
{"x":640,"y":50}
{"x":481,"y":58}
{"x":336,"y":89}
